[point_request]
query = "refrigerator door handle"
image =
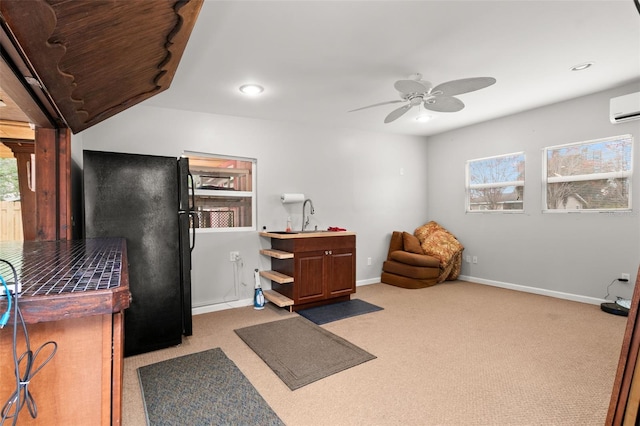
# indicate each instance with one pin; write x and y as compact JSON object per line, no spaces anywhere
{"x":193,"y":230}
{"x":193,"y":192}
{"x":192,"y":214}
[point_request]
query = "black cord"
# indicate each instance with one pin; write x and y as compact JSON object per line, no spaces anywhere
{"x":22,"y":396}
{"x":617,"y":279}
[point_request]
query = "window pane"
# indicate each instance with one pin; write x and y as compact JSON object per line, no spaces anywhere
{"x":588,"y":158}
{"x":594,"y":175}
{"x":505,"y":198}
{"x":591,"y":194}
{"x":496,"y":183}
{"x":507,"y":168}
{"x":224,"y":191}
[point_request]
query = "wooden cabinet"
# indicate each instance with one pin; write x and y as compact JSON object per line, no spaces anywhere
{"x":310,"y":269}
{"x":82,"y":384}
{"x":74,"y":293}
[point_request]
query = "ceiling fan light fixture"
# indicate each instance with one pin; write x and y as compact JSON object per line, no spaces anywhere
{"x":440,"y":98}
{"x":251,"y":89}
{"x":581,"y":67}
{"x":423,"y":118}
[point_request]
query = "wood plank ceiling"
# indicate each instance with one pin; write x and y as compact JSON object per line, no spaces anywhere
{"x":89,"y":60}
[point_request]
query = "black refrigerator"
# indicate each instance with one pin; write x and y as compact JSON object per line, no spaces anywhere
{"x":148,"y":200}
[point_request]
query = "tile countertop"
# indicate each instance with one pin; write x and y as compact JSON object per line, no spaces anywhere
{"x":67,"y":279}
{"x":284,"y":235}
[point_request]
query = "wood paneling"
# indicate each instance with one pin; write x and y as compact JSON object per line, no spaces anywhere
{"x":98,"y":58}
{"x":15,"y":129}
{"x":46,"y":184}
{"x":622,"y":407}
{"x":71,"y":388}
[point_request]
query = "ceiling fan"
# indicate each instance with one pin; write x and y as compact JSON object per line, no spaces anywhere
{"x":440,"y":98}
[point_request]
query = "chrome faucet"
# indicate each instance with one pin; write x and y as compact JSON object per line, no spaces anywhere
{"x":312,"y":211}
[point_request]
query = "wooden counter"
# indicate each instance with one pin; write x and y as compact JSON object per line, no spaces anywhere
{"x":73,"y":293}
{"x":286,"y":235}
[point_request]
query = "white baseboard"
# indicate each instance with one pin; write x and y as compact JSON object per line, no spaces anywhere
{"x":367,"y":282}
{"x":214,"y":307}
{"x":535,"y":290}
{"x":205,"y":309}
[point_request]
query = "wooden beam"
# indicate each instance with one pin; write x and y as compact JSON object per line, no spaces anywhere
{"x":46,"y":185}
{"x":63,"y":155}
{"x":16,"y":130}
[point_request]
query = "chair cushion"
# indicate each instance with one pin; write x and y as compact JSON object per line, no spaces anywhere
{"x":405,"y":282}
{"x":442,"y":245}
{"x":428,"y":228}
{"x":414,"y":259}
{"x":411,"y":243}
{"x":410,"y":271}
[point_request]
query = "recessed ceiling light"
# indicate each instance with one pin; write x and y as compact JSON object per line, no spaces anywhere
{"x":251,"y":89}
{"x":581,"y":67}
{"x":423,"y":118}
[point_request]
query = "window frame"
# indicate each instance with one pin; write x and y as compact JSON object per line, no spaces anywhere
{"x":227,"y":194}
{"x":501,"y":184}
{"x":626,"y":174}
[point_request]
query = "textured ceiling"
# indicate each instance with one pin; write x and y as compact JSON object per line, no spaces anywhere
{"x":319,"y":59}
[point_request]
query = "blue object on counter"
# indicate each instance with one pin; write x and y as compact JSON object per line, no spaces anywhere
{"x":258,"y":297}
{"x":258,"y":300}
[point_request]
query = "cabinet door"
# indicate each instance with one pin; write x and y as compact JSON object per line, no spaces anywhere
{"x":309,"y":277}
{"x":341,"y":279}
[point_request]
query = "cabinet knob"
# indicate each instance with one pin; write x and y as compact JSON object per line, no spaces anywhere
{"x":327,"y":252}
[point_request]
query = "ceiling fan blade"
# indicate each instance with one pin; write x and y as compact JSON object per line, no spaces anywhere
{"x":444,"y":104}
{"x":410,"y":86}
{"x":465,"y":85}
{"x":397,"y":113}
{"x":375,"y":105}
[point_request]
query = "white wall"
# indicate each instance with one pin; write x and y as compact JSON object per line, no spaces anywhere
{"x":579,"y":254}
{"x":353,"y":178}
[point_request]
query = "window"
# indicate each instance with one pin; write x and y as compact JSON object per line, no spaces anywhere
{"x":588,"y":176}
{"x":225,"y":191}
{"x":495,"y":183}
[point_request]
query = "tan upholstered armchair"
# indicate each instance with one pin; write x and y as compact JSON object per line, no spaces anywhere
{"x":429,"y":256}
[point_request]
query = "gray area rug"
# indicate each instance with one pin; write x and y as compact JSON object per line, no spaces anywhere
{"x":337,"y":311}
{"x":300,"y":352}
{"x":205,"y":388}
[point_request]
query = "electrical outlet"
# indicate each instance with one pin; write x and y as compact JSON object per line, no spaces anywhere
{"x":11,"y":288}
{"x":625,"y":276}
{"x":475,"y":259}
{"x":233,"y":256}
{"x":468,"y":259}
{"x":368,"y":261}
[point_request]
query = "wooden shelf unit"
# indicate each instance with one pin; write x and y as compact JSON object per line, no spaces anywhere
{"x":310,"y":270}
{"x":278,"y":299}
{"x":277,"y":254}
{"x":277,"y":277}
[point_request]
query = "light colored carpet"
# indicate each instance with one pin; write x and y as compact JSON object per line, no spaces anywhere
{"x":456,"y":353}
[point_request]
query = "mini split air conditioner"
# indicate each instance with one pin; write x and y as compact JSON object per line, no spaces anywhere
{"x":625,"y":108}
